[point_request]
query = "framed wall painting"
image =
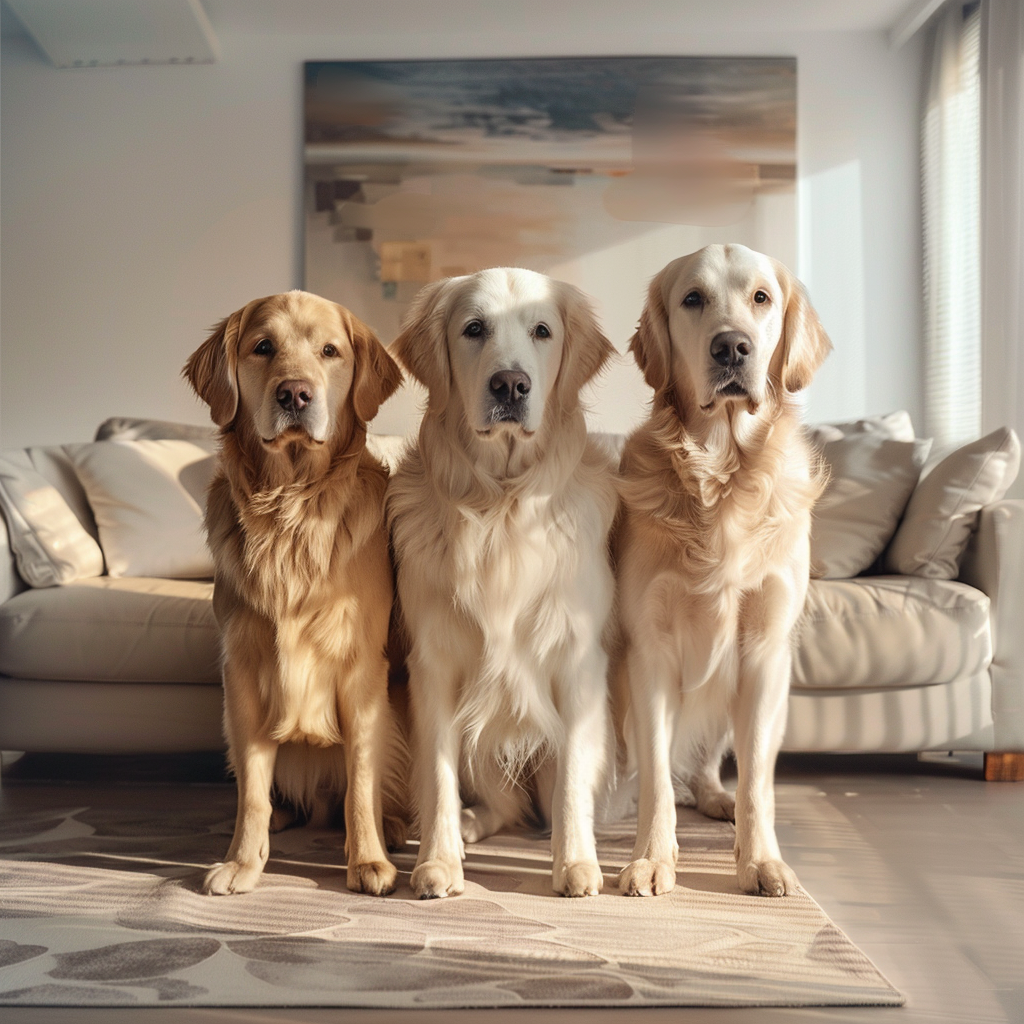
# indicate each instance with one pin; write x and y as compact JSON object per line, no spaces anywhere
{"x":596,"y":171}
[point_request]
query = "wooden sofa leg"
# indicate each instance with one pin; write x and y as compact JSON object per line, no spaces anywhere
{"x":1004,"y":767}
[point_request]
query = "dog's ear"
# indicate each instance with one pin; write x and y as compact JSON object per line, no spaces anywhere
{"x":585,"y":348}
{"x":651,"y":346}
{"x":804,"y":343}
{"x":422,"y":345}
{"x":377,"y":376}
{"x":211,"y":369}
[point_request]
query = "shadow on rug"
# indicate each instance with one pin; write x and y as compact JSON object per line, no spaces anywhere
{"x":98,"y":906}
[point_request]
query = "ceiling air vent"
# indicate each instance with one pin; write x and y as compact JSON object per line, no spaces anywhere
{"x":110,"y":33}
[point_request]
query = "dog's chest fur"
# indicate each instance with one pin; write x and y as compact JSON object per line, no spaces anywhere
{"x":294,"y":552}
{"x":526,"y":576}
{"x":727,"y":512}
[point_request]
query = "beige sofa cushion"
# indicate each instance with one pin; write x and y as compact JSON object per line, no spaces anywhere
{"x":890,"y":631}
{"x":49,"y":543}
{"x":112,"y":630}
{"x":943,"y":510}
{"x":148,"y":499}
{"x":871,"y":479}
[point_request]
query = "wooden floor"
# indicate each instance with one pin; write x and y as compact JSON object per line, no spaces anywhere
{"x":922,"y":864}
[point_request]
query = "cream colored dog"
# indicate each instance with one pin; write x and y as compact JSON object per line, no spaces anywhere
{"x":303,"y":588}
{"x":500,"y":516}
{"x":713,"y":552}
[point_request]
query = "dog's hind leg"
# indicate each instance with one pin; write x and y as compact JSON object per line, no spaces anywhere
{"x":498,"y":802}
{"x":711,"y":797}
{"x":283,"y":816}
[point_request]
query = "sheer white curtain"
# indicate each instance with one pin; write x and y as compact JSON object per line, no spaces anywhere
{"x":950,"y":209}
{"x":1002,"y":218}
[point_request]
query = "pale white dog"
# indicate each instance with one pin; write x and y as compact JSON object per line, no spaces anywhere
{"x":713,"y":550}
{"x":500,"y":516}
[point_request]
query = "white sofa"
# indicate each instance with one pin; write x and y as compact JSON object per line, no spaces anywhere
{"x":885,"y":661}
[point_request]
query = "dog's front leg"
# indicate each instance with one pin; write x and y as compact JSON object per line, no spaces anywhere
{"x":579,"y":768}
{"x":759,"y":720}
{"x":252,"y":756}
{"x":366,"y":728}
{"x":438,"y":870}
{"x":653,"y":868}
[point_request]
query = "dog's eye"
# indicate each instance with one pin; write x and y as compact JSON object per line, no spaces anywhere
{"x":542,"y":331}
{"x":760,"y":297}
{"x":329,"y":350}
{"x":264,"y":347}
{"x":473,"y":329}
{"x":693,"y":299}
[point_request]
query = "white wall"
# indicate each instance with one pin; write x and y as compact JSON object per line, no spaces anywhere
{"x":140,"y":205}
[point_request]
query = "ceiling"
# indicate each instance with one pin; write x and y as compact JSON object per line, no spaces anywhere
{"x":120,"y":31}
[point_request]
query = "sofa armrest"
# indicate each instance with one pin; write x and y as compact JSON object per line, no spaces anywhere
{"x":992,"y":563}
{"x":10,"y":582}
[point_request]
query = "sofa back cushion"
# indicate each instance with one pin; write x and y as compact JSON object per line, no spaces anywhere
{"x":897,"y":426}
{"x":133,"y":428}
{"x":52,"y":533}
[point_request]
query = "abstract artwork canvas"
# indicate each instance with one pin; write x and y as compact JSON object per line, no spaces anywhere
{"x":596,"y":171}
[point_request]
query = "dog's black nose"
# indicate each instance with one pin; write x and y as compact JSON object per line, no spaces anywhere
{"x":510,"y":385}
{"x":294,"y":395}
{"x":731,"y":348}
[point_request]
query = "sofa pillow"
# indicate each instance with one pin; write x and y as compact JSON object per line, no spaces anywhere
{"x":897,"y":426}
{"x":49,"y":542}
{"x":148,"y":499}
{"x":871,"y":479}
{"x":943,"y":510}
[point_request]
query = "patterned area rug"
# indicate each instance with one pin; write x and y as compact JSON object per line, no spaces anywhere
{"x":98,"y":906}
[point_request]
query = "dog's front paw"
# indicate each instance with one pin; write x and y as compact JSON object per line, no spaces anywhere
{"x":583,"y":878}
{"x":435,"y":878}
{"x":231,"y":877}
{"x":647,"y":878}
{"x":375,"y":877}
{"x":767,"y":878}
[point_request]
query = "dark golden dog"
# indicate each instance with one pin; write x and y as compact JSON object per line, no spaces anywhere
{"x":303,"y":587}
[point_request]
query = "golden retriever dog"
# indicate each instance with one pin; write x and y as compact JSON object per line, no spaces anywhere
{"x":500,"y":515}
{"x":304,"y":584}
{"x":712,"y":552}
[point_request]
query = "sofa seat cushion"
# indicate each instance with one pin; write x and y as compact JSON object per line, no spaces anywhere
{"x":890,"y":631}
{"x":132,"y":629}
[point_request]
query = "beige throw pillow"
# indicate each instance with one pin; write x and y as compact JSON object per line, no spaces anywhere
{"x":943,"y":509}
{"x":50,"y":544}
{"x":148,"y":499}
{"x":871,"y":480}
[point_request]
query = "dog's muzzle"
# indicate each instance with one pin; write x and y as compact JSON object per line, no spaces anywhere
{"x":297,"y":412}
{"x":294,"y":395}
{"x":509,"y":396}
{"x":730,"y":350}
